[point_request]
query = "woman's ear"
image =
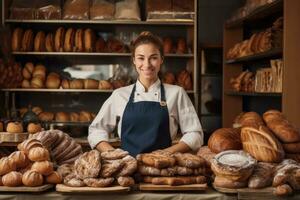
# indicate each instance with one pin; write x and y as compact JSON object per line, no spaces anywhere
{"x":133,"y":60}
{"x":162,"y":60}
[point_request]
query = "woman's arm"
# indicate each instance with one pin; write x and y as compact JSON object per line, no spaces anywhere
{"x":104,"y":146}
{"x":179,"y":147}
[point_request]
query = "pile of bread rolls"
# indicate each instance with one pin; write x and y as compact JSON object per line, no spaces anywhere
{"x":95,"y":169}
{"x":10,"y":74}
{"x":163,"y":168}
{"x":180,"y":47}
{"x":34,"y":76}
{"x":63,"y":148}
{"x":30,"y":166}
{"x":64,"y":40}
{"x":183,"y":79}
{"x":259,"y":42}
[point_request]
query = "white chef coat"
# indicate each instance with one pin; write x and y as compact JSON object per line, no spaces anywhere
{"x":180,"y":108}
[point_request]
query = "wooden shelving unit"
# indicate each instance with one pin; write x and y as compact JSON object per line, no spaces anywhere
{"x":233,"y":102}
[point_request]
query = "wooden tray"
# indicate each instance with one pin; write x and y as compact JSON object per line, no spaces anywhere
{"x":25,"y":188}
{"x":191,"y":187}
{"x":225,"y":190}
{"x":68,"y":189}
{"x":13,"y":137}
{"x":263,"y":193}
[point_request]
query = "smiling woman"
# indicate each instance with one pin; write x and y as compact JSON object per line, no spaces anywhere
{"x":150,"y":112}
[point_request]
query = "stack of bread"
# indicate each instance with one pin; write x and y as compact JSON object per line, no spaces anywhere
{"x":95,"y":169}
{"x":30,"y":166}
{"x":10,"y":74}
{"x":163,"y":168}
{"x":243,"y":82}
{"x":183,"y":79}
{"x":34,"y":76}
{"x":62,"y":147}
{"x":259,"y":42}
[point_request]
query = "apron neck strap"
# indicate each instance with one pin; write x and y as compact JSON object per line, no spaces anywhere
{"x":162,"y":93}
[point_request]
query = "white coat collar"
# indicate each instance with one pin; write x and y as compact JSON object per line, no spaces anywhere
{"x":154,"y":87}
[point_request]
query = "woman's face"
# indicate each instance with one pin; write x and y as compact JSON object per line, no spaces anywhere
{"x":147,"y":60}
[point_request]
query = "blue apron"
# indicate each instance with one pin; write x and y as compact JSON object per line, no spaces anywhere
{"x":145,"y":125}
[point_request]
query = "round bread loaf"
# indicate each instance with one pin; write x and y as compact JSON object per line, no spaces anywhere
{"x":225,"y":139}
{"x":54,"y":178}
{"x":14,"y":127}
{"x":7,"y":165}
{"x":52,"y":82}
{"x":32,"y":178}
{"x":19,"y":158}
{"x":38,"y":154}
{"x":43,"y":167}
{"x":62,"y":117}
{"x":34,"y":127}
{"x":12,"y":179}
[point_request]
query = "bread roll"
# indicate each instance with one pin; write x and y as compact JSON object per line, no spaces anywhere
{"x":16,"y":40}
{"x":79,"y":41}
{"x":19,"y":158}
{"x":12,"y":179}
{"x":39,"y":70}
{"x":14,"y":127}
{"x":74,"y":117}
{"x":37,"y":110}
{"x":46,"y":116}
{"x":76,"y":84}
{"x":26,"y":84}
{"x":89,"y":40}
{"x":43,"y":167}
{"x":90,"y":84}
{"x":281,"y":127}
{"x":28,"y":144}
{"x":105,"y":85}
{"x":181,"y":46}
{"x":85,"y":116}
{"x":59,"y":39}
{"x":262,"y":144}
{"x":65,"y":84}
{"x":100,"y":45}
{"x":49,"y":42}
{"x":7,"y":165}
{"x":69,"y":40}
{"x":225,"y":139}
{"x":169,"y":78}
{"x":32,"y":178}
{"x":168,"y":45}
{"x":34,"y":128}
{"x":54,"y":178}
{"x":38,"y":154}
{"x":37,"y":82}
{"x":40,"y":41}
{"x":52,"y":82}
{"x":28,"y":70}
{"x":62,"y":117}
{"x":27,"y":41}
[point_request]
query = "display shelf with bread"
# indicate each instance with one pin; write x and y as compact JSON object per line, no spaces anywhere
{"x":242,"y":40}
{"x":254,"y":94}
{"x":264,"y":55}
{"x":254,"y":11}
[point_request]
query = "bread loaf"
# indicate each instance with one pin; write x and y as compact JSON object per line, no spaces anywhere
{"x":46,"y":116}
{"x":59,"y":39}
{"x":62,"y":117}
{"x":27,"y":41}
{"x":19,"y":158}
{"x":49,"y":43}
{"x":40,"y":41}
{"x":14,"y":127}
{"x":262,"y":144}
{"x":293,"y":148}
{"x":89,"y":40}
{"x":125,"y":181}
{"x":90,"y":84}
{"x":34,"y":128}
{"x":262,"y":175}
{"x":283,"y":190}
{"x":88,"y":165}
{"x":69,"y":40}
{"x":224,"y":182}
{"x":206,"y":153}
{"x":281,"y":127}
{"x":54,"y":178}
{"x":225,"y":139}
{"x":16,"y":41}
{"x":38,"y":154}
{"x":7,"y":165}
{"x":43,"y":167}
{"x":12,"y":179}
{"x":32,"y":178}
{"x":184,"y":80}
{"x":79,"y":40}
{"x":158,"y":160}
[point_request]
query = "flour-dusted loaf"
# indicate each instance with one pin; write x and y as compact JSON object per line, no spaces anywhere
{"x":262,"y":144}
{"x":88,"y":165}
{"x":262,"y":175}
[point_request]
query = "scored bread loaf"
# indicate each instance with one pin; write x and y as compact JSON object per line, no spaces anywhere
{"x":225,"y":139}
{"x":262,"y":144}
{"x":281,"y":127}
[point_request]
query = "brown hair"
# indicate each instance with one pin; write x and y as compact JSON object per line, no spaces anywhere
{"x":147,"y":37}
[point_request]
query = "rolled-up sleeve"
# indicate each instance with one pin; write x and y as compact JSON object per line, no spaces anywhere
{"x":189,"y":122}
{"x":104,"y":123}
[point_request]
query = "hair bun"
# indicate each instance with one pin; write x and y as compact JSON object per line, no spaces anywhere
{"x":146,"y":33}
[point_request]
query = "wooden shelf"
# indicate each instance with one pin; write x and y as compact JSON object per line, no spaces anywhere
{"x":91,"y":54}
{"x":258,"y":13}
{"x":211,"y":46}
{"x":256,"y":94}
{"x":66,"y":90}
{"x":175,"y":22}
{"x":264,"y":55}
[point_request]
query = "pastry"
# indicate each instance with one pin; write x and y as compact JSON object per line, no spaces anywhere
{"x":14,"y":127}
{"x":32,"y":178}
{"x":19,"y":158}
{"x":90,"y":84}
{"x":49,"y":43}
{"x":7,"y":165}
{"x":88,"y":165}
{"x":12,"y":179}
{"x":59,"y":39}
{"x":16,"y":41}
{"x":54,"y":178}
{"x":98,"y":182}
{"x":40,"y":41}
{"x":69,"y":40}
{"x":225,"y":139}
{"x":27,"y":41}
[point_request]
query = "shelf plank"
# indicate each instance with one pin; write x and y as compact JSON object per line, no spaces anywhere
{"x":271,"y":94}
{"x":91,"y":54}
{"x":255,"y":57}
{"x":258,"y":13}
{"x":174,"y":22}
{"x":65,"y":90}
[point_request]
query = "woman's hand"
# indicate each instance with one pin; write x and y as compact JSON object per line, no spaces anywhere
{"x":180,"y":147}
